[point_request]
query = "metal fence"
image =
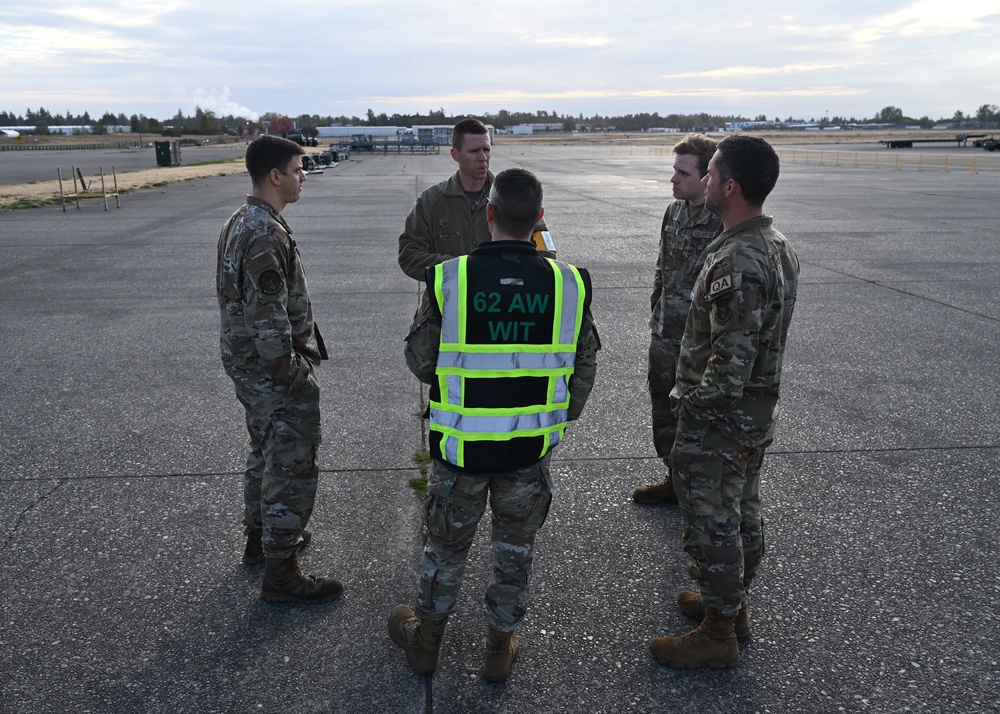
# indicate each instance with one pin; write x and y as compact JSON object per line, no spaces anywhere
{"x":974,"y":161}
{"x":31,"y":146}
{"x":907,"y":160}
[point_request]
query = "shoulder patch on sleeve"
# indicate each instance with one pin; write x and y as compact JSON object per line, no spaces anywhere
{"x":720,"y":285}
{"x":261,"y":263}
{"x":270,"y":282}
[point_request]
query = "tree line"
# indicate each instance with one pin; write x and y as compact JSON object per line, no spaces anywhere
{"x":207,"y":122}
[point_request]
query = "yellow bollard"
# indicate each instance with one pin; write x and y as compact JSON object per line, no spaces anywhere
{"x":920,"y":166}
{"x":945,"y":164}
{"x":974,"y":165}
{"x":836,"y":161}
{"x":855,"y":159}
{"x":876,"y":159}
{"x":897,"y":162}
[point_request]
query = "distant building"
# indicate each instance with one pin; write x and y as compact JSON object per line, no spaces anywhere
{"x":537,"y":128}
{"x":439,"y":134}
{"x":345,"y":132}
{"x":53,"y":129}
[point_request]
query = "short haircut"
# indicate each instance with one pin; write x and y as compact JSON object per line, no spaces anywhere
{"x":697,"y":145}
{"x":269,"y":152}
{"x":751,"y":162}
{"x":466,"y":126}
{"x":516,"y":197}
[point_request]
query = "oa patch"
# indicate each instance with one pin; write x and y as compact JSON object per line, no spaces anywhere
{"x":270,"y":282}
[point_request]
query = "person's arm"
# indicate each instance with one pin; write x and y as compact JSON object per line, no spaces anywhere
{"x":734,"y":318}
{"x":265,"y":312}
{"x":657,"y":279}
{"x":658,"y":276}
{"x":416,"y":243}
{"x":585,"y":370}
{"x":423,"y":341}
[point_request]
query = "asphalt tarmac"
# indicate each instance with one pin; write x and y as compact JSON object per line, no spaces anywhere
{"x":122,"y":448}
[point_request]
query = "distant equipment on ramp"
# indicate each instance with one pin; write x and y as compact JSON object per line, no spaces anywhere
{"x":959,"y":139}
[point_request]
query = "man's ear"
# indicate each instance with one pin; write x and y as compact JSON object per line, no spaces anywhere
{"x":454,"y":153}
{"x":274,"y":177}
{"x":541,"y":212}
{"x":489,"y":211}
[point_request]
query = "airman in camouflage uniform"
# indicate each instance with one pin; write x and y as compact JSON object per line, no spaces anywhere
{"x":449,"y":218}
{"x":519,"y":496}
{"x":270,"y":348}
{"x":726,"y":400}
{"x":687,"y":228}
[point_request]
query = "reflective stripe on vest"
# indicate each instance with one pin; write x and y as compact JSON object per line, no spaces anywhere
{"x":458,"y":360}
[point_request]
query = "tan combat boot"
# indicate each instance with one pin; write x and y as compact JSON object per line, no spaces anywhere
{"x":662,"y":492}
{"x":711,"y":644}
{"x":421,"y":641}
{"x":691,"y":605}
{"x":284,"y":581}
{"x":501,"y":651}
{"x":253,"y":553}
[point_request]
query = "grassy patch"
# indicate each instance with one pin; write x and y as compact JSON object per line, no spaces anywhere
{"x":237,"y":160}
{"x":20,"y":203}
{"x":419,"y":483}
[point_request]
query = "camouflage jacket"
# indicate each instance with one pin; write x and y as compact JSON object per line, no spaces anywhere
{"x":444,"y":223}
{"x":424,"y":338}
{"x":729,"y":371}
{"x":685,"y":232}
{"x":266,"y":322}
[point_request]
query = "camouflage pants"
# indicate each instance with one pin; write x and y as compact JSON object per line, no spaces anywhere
{"x":663,"y":357}
{"x":455,"y":503}
{"x":279,"y":485}
{"x":717,"y":481}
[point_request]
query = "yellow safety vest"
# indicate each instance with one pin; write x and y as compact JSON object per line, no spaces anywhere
{"x":503,"y":398}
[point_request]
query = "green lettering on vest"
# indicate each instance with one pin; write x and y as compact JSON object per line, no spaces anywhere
{"x":481,"y":302}
{"x":538,"y":303}
{"x":510,"y":331}
{"x":503,"y":330}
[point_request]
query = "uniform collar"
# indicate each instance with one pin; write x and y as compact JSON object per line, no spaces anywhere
{"x":505,"y":246}
{"x":454,"y":185}
{"x":758,"y":222}
{"x":254,"y":201}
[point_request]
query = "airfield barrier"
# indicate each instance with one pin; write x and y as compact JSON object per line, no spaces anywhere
{"x":907,"y":160}
{"x":945,"y":163}
{"x":31,"y":146}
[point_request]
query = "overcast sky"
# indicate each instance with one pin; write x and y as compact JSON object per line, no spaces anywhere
{"x":803,"y":59}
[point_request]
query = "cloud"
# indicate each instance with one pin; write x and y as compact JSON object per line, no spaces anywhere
{"x":928,"y":18}
{"x":756,"y":71}
{"x":219,"y":102}
{"x":592,"y":56}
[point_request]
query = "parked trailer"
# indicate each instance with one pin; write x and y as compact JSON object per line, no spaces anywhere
{"x":960,"y":140}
